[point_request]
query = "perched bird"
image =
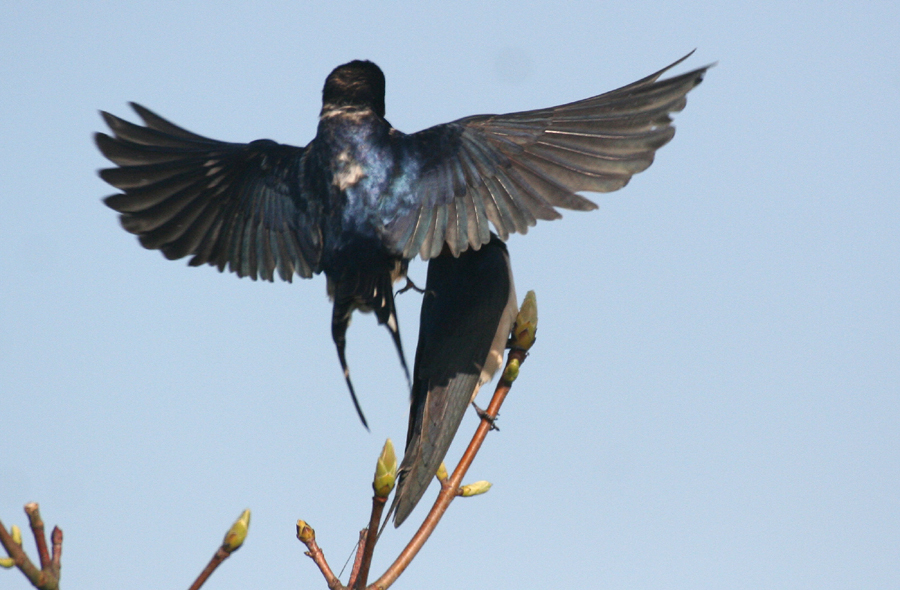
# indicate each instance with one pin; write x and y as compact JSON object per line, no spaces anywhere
{"x":362,"y":199}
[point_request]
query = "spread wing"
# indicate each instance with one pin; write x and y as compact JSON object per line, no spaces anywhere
{"x":231,"y":205}
{"x":511,"y":170}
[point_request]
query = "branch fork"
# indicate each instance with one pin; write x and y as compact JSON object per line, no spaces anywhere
{"x":47,"y":577}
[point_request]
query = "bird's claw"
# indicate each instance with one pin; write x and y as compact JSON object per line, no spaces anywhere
{"x":486,"y":417}
{"x":411,"y":285}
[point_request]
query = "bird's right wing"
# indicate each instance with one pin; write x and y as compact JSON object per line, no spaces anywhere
{"x":231,"y":205}
{"x":513,"y":169}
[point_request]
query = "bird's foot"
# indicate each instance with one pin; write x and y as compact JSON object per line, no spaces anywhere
{"x":486,"y":417}
{"x":413,"y":286}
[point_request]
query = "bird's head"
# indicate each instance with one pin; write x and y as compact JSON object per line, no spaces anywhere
{"x":354,"y":84}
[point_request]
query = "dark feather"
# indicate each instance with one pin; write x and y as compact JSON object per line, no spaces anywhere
{"x":518,"y":167}
{"x":240,"y":206}
{"x":467,"y":313}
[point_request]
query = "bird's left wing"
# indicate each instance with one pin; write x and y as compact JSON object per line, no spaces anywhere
{"x":511,"y":170}
{"x":233,"y":205}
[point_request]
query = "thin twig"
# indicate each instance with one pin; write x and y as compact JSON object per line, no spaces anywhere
{"x":37,"y":527}
{"x":47,"y":577}
{"x":56,"y":538}
{"x":448,"y":491}
{"x":371,"y":537}
{"x":217,"y":559}
{"x":233,"y":541}
{"x":314,"y":552}
{"x":357,"y":562}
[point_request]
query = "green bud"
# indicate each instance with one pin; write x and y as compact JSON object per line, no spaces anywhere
{"x":442,"y":472}
{"x":305,"y":532}
{"x":525,"y":328}
{"x":385,"y":471}
{"x":474,"y":489}
{"x":235,"y":536}
{"x":511,"y":371}
{"x":7,"y":562}
{"x":16,"y":533}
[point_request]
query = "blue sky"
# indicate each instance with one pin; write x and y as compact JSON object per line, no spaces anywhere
{"x":714,"y":397}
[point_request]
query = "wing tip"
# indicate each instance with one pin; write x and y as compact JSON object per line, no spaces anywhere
{"x":402,"y":507}
{"x":401,"y":514}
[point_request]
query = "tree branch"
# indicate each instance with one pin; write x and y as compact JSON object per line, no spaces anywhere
{"x":371,"y":537}
{"x":357,"y":562}
{"x":307,"y":536}
{"x":47,"y":577}
{"x":234,"y":538}
{"x":449,"y":488}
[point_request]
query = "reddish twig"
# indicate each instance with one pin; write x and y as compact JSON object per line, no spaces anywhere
{"x":56,"y":538}
{"x":357,"y":562}
{"x":448,"y":489}
{"x":217,"y":559}
{"x":234,"y":539}
{"x":37,"y":527}
{"x":315,"y":553}
{"x":371,"y":537}
{"x":47,"y":577}
{"x":307,"y":536}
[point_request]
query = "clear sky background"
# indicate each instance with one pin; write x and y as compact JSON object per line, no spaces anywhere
{"x":714,"y":397}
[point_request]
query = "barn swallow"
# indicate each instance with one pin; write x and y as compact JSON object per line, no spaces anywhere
{"x":362,"y":199}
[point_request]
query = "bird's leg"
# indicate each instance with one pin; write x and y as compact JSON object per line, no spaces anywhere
{"x":486,"y":417}
{"x":411,"y":285}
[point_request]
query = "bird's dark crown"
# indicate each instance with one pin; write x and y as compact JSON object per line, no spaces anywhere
{"x":358,"y":83}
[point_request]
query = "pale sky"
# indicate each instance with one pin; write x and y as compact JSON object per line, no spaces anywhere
{"x":714,"y":397}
